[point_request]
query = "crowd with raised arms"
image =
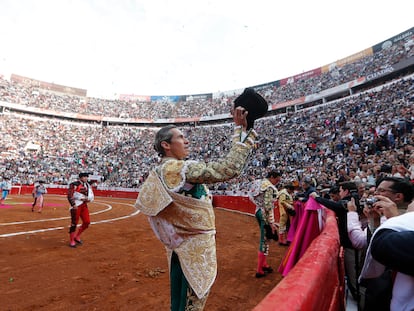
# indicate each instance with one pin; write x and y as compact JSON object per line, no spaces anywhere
{"x":32,"y":96}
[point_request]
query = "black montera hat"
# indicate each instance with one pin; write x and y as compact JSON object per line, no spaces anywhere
{"x":254,"y":103}
{"x":83,"y":175}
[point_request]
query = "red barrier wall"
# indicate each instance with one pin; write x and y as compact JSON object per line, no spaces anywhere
{"x":64,"y":190}
{"x":317,"y":281}
{"x":241,"y":204}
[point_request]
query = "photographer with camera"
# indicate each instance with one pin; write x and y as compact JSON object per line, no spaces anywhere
{"x":391,"y":252}
{"x":391,"y":199}
{"x":347,"y":191}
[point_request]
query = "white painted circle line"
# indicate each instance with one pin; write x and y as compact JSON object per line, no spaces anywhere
{"x":136,"y":212}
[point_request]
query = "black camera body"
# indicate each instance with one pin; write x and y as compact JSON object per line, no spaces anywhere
{"x":371,"y":201}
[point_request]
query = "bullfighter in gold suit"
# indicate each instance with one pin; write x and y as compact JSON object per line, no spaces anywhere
{"x":180,"y":211}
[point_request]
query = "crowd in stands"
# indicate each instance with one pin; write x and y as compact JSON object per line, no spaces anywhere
{"x":32,"y":96}
{"x":355,"y":137}
{"x":352,"y":138}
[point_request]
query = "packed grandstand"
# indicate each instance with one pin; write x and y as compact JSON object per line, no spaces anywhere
{"x":351,"y":117}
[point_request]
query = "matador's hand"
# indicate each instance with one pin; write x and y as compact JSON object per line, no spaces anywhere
{"x":240,"y":117}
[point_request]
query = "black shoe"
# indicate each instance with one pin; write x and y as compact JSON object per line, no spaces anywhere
{"x":72,"y":246}
{"x":267,"y":269}
{"x":78,"y":242}
{"x":260,"y":275}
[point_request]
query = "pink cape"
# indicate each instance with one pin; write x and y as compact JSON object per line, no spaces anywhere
{"x":307,"y":230}
{"x":295,"y":220}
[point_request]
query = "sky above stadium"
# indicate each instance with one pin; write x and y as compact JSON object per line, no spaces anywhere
{"x":165,"y":47}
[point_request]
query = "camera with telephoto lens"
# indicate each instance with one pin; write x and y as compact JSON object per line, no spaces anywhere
{"x":371,"y":201}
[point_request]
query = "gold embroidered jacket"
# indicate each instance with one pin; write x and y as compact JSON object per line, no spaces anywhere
{"x":180,"y":208}
{"x":264,"y":194}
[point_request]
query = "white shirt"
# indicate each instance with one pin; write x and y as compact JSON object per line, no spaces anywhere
{"x":403,"y":289}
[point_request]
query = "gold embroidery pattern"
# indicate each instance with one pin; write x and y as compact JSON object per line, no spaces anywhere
{"x":265,"y":199}
{"x":193,"y":302}
{"x":171,"y":173}
{"x":285,"y":199}
{"x":265,"y":184}
{"x":194,"y":220}
{"x":153,"y":197}
{"x":198,"y":260}
{"x":190,"y":216}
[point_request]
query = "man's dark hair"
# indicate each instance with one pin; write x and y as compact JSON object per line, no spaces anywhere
{"x":273,"y":174}
{"x":164,"y":134}
{"x":349,"y":185}
{"x":334,"y":190}
{"x":290,"y":186}
{"x":353,"y":192}
{"x":386,"y":168}
{"x":400,"y":185}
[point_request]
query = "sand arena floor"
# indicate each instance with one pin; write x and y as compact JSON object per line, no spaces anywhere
{"x":121,"y":265}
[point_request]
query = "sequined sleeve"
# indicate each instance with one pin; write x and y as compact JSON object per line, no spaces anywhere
{"x":176,"y":173}
{"x":285,"y":200}
{"x":228,"y":167}
{"x":269,"y":198}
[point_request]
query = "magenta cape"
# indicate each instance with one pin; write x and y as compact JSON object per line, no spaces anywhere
{"x":295,"y":220}
{"x":307,"y":230}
